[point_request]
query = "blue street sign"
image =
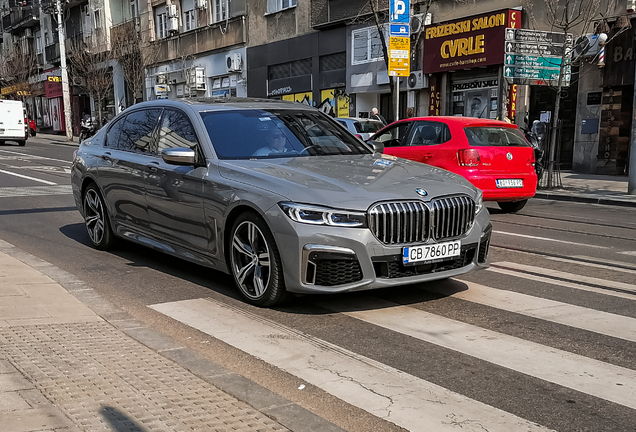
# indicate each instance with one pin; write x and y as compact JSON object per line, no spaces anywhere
{"x":399,"y":11}
{"x":400,"y":30}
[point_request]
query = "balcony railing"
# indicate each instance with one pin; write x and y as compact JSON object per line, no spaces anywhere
{"x":52,"y":52}
{"x":202,"y":39}
{"x":17,"y":19}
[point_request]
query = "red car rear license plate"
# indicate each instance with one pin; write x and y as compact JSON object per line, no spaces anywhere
{"x":509,"y":183}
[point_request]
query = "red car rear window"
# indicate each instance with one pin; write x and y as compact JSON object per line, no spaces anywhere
{"x":488,"y":136}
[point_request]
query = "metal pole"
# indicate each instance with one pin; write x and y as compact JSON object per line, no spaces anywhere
{"x":397,"y":98}
{"x":66,"y":94}
{"x":631,"y":178}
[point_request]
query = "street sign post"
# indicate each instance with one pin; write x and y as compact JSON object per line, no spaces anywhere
{"x":400,"y":11}
{"x":535,"y":57}
{"x":399,"y":56}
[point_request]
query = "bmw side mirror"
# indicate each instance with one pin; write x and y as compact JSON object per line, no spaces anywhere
{"x":377,"y":146}
{"x":179,"y":156}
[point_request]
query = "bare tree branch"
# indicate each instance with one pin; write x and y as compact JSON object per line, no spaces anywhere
{"x":134,"y":55}
{"x":89,"y":68}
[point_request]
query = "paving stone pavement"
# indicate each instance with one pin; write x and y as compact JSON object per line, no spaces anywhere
{"x":66,"y":367}
{"x":103,"y":380}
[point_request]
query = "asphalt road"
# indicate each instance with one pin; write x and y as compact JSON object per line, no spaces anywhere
{"x":544,"y":339}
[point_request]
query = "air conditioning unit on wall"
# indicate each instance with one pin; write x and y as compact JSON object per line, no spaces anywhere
{"x":416,"y":81}
{"x":201,"y":4}
{"x":171,"y":11}
{"x":173,"y":25}
{"x":233,"y":62}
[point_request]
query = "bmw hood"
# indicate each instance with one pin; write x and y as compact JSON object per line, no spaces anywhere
{"x":347,"y":182}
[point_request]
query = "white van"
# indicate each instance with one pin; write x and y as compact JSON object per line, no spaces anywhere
{"x":12,"y":124}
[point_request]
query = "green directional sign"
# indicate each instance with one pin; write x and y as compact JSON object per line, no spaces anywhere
{"x":548,"y":62}
{"x":530,"y":75}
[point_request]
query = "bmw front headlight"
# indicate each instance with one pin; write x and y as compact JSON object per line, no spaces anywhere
{"x":479,"y":202}
{"x":316,"y":215}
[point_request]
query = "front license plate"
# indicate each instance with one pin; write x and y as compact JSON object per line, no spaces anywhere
{"x":431,"y":253}
{"x":509,"y":183}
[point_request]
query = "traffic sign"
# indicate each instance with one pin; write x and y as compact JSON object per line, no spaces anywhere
{"x":534,"y":49}
{"x":547,"y":62}
{"x":537,"y":57}
{"x":534,"y":76}
{"x":399,"y":11}
{"x":399,"y":56}
{"x":542,"y":37}
{"x":402,"y":30}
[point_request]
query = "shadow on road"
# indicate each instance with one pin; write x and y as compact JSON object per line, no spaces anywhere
{"x":37,"y":210}
{"x":138,"y":256}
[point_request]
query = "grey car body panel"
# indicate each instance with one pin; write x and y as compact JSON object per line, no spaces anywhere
{"x":354,"y":182}
{"x":187,"y":208}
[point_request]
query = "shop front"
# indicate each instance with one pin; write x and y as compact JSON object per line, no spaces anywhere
{"x":309,"y":69}
{"x":53,"y":105}
{"x":464,"y":59}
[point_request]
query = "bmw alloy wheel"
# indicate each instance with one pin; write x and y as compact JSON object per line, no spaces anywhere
{"x":251,"y":260}
{"x":96,"y":219}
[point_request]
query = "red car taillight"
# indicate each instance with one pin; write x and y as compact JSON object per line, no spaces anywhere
{"x":468,"y":157}
{"x":533,"y":160}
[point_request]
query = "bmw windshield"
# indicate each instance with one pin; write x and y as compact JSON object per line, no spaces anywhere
{"x":254,"y":134}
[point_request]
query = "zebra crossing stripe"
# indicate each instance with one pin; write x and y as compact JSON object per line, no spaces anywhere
{"x":569,"y":276}
{"x":561,"y":283}
{"x":606,"y":261}
{"x":593,"y":377}
{"x":605,"y":323}
{"x":386,"y":392}
{"x":592,"y":264}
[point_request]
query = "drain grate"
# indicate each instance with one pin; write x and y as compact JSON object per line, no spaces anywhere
{"x":9,"y":192}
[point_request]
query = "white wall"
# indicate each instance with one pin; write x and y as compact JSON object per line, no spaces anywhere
{"x":366,"y":101}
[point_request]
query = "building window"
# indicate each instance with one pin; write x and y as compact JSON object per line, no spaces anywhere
{"x":290,"y":69}
{"x":220,"y":10}
{"x":189,"y":20}
{"x":134,"y":11}
{"x":332,"y":62}
{"x":38,"y":43}
{"x":367,"y":45}
{"x":162,"y":30}
{"x":97,"y":15}
{"x":278,"y":5}
{"x":46,"y":39}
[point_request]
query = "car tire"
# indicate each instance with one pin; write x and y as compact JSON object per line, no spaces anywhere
{"x":512,"y":206}
{"x":96,"y":219}
{"x":255,"y":261}
{"x":22,"y":143}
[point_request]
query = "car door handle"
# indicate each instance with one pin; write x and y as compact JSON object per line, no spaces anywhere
{"x":107,"y":156}
{"x":153,"y":166}
{"x":427,"y":155}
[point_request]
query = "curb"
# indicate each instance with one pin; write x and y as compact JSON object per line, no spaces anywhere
{"x":585,"y":199}
{"x":290,"y":415}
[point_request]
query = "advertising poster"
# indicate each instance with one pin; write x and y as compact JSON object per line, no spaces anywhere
{"x":56,"y":115}
{"x":334,"y":102}
{"x":304,"y":98}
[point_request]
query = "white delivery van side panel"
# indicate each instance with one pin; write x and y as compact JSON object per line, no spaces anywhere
{"x":12,"y":120}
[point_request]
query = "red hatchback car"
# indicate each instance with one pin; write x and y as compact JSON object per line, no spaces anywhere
{"x":493,"y":155}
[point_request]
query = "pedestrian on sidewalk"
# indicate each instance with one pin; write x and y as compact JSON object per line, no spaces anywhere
{"x":377,"y":116}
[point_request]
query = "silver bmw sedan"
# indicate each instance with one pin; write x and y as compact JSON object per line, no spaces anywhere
{"x":277,"y":194}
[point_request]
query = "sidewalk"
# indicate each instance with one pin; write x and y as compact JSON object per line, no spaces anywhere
{"x":71,"y":361}
{"x":591,"y":188}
